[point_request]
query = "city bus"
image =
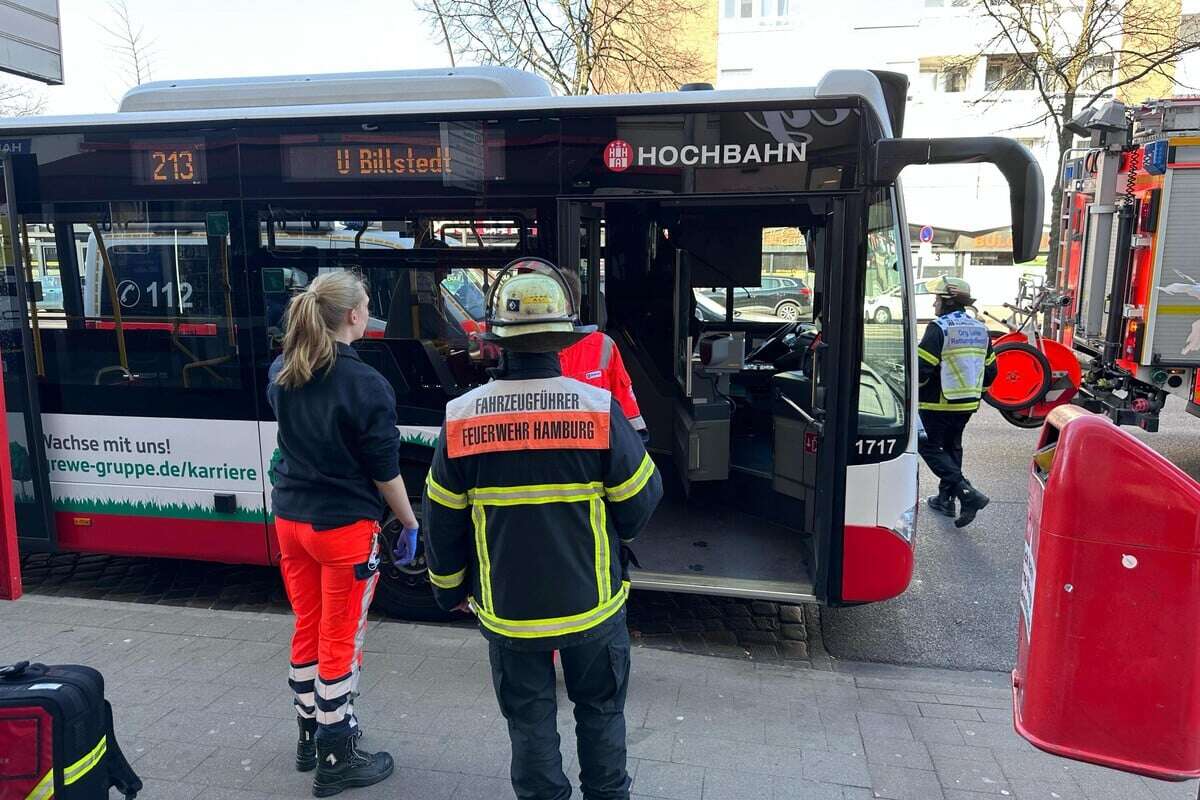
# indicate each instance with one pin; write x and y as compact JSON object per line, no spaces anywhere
{"x":182,"y":223}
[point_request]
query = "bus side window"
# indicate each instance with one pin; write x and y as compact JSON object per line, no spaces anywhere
{"x":158,"y":308}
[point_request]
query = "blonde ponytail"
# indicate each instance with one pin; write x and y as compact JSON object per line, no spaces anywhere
{"x":312,"y":318}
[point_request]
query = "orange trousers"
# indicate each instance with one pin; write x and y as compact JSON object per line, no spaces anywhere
{"x":330,"y":577}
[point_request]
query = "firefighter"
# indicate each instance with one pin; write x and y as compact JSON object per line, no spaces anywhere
{"x":536,"y":482}
{"x":596,"y":360}
{"x":956,"y":365}
{"x":339,"y":463}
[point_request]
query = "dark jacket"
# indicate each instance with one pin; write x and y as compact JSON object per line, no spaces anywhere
{"x":536,"y":481}
{"x":337,"y":435}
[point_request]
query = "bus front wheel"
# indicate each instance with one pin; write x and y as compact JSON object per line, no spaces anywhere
{"x":405,"y":592}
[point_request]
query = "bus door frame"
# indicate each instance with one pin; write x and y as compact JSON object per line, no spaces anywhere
{"x":579,"y":225}
{"x":841,"y":327}
{"x":43,"y":537}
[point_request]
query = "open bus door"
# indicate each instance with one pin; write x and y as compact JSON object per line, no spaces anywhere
{"x":756,"y":495}
{"x":21,"y":362}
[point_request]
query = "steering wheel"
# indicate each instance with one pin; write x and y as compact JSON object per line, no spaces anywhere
{"x":778,"y":344}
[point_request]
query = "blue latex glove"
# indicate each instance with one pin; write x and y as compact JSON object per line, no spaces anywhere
{"x":406,"y":547}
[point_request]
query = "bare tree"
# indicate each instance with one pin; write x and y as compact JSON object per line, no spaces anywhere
{"x":20,"y":101}
{"x":130,"y":42}
{"x":1075,"y":53}
{"x":579,"y":46}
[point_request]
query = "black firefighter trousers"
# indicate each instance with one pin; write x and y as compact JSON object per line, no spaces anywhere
{"x":942,"y":448}
{"x":597,"y":676}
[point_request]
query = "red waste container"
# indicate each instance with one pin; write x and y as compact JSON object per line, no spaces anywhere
{"x":1108,"y":662}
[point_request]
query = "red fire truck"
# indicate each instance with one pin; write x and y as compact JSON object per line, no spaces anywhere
{"x":1124,"y":315}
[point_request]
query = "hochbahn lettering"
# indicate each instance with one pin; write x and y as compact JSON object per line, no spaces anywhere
{"x":617,"y":154}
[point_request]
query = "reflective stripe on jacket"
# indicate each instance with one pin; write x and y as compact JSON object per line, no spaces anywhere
{"x":956,"y":363}
{"x":534,"y":483}
{"x":595,"y":360}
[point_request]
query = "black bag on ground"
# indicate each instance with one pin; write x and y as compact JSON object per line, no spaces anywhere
{"x":56,"y":736}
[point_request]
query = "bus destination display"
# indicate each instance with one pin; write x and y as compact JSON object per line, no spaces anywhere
{"x":390,"y":159}
{"x":453,"y":153}
{"x":166,"y":162}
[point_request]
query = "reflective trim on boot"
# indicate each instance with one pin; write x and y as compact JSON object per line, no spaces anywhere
{"x":306,"y":745}
{"x":341,"y":765}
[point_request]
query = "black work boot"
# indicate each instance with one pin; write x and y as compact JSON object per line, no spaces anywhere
{"x":341,"y":765}
{"x":973,"y":501}
{"x":942,"y":502}
{"x":306,"y":747}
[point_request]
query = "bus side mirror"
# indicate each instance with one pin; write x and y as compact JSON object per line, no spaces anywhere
{"x":1025,"y":188}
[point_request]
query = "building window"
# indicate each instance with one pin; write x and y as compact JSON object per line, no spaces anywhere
{"x":1096,"y":73}
{"x":730,"y":8}
{"x":943,"y":75}
{"x":1007,"y":73}
{"x":782,"y":6}
{"x":1033,"y":145}
{"x":747,"y":9}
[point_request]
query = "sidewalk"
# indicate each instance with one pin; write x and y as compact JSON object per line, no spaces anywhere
{"x":204,"y":713}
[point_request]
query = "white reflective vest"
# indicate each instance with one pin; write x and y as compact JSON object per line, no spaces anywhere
{"x":964,"y":351}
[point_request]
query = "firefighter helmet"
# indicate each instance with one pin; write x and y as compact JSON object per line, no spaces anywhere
{"x":955,"y":289}
{"x":531,"y":309}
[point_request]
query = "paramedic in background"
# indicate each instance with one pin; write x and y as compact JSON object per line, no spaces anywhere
{"x":956,"y":365}
{"x":536,"y":482}
{"x":339,"y":464}
{"x":595,"y":359}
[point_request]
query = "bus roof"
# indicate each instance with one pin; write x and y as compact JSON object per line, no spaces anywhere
{"x":838,"y":83}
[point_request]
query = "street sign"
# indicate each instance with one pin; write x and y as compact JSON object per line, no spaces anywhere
{"x":31,"y":40}
{"x":927,"y":234}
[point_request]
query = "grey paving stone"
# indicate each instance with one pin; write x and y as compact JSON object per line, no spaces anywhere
{"x":897,"y":783}
{"x":883,"y":726}
{"x":477,"y":787}
{"x":168,"y":790}
{"x":234,"y":768}
{"x":226,"y":793}
{"x":793,"y":789}
{"x":948,"y":712}
{"x":1038,"y":790}
{"x":988,"y":734}
{"x":423,"y":785}
{"x":650,"y":744}
{"x":936,"y":731}
{"x":961,"y":752}
{"x":720,"y":784}
{"x":976,"y":701}
{"x":842,"y":768}
{"x":1103,"y":784}
{"x":1036,"y":766}
{"x":1167,"y":790}
{"x":971,"y":776}
{"x":468,"y":755}
{"x":706,"y":751}
{"x":673,"y":781}
{"x":172,"y":760}
{"x":899,"y":753}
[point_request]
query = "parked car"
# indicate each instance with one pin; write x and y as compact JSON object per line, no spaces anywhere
{"x":710,"y":310}
{"x":785,"y":298}
{"x":886,"y":307}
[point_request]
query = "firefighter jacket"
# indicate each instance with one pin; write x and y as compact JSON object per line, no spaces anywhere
{"x":957,"y":363}
{"x":535,"y":481}
{"x":597,"y":361}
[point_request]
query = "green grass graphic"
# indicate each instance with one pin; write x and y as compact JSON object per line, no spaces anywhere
{"x":151,"y":509}
{"x":418,"y":439}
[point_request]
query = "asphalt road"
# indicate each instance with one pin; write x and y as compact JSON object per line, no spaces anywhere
{"x":961,"y":610}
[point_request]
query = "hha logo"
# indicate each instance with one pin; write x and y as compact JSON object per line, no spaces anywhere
{"x":618,"y":155}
